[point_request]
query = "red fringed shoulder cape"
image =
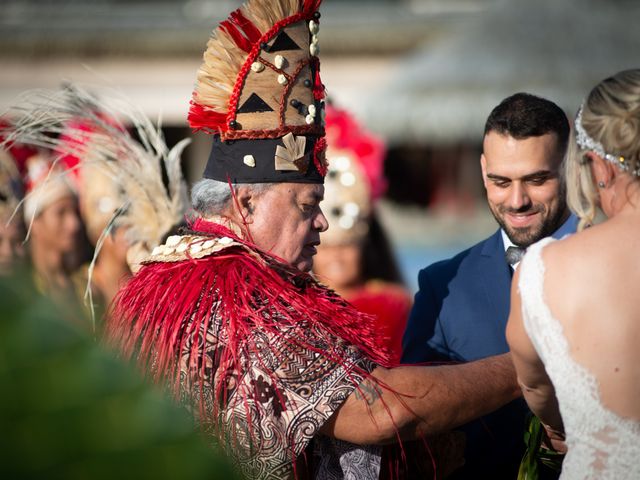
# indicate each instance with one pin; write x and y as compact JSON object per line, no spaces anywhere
{"x":262,"y":351}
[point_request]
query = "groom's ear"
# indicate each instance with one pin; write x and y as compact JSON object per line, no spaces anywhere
{"x":483,"y":165}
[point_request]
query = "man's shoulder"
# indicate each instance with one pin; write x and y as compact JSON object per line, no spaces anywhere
{"x":461,"y":261}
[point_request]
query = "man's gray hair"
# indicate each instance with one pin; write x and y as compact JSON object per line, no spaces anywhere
{"x":213,"y":197}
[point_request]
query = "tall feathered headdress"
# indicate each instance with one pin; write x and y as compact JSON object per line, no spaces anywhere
{"x":259,"y":93}
{"x":72,"y":123}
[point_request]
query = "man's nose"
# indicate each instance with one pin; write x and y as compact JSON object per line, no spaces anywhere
{"x":518,"y":196}
{"x":320,"y":222}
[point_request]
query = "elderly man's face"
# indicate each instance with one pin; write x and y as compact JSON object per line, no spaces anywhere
{"x":286,"y":220}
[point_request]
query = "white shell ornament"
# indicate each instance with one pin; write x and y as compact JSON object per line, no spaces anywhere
{"x":257,"y":67}
{"x":249,"y":161}
{"x":173,"y":240}
{"x":282,"y":80}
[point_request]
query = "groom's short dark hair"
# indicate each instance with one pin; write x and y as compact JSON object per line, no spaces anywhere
{"x":523,"y":115}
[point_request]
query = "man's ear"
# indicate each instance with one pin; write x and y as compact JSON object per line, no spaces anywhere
{"x":245,"y":203}
{"x":483,"y":165}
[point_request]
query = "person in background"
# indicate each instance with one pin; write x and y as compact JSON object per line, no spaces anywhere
{"x":110,"y":268}
{"x":50,"y":211}
{"x":461,"y":308}
{"x":126,"y":207}
{"x":12,"y":251}
{"x":574,"y":319}
{"x":354,"y":257}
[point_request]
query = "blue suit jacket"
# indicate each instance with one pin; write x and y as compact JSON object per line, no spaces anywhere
{"x":460,"y":313}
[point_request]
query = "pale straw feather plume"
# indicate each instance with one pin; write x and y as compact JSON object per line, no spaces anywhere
{"x":223,"y":59}
{"x":148,"y":206}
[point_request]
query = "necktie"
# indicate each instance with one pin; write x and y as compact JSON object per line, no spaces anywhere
{"x":514,"y":255}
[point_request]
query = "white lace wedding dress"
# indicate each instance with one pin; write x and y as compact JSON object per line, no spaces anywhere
{"x":602,"y":445}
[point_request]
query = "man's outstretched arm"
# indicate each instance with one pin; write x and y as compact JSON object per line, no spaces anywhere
{"x":417,"y":401}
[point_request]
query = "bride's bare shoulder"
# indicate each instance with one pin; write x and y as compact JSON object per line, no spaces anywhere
{"x":584,"y":248}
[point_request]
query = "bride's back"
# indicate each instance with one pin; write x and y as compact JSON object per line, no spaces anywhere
{"x":591,"y":286}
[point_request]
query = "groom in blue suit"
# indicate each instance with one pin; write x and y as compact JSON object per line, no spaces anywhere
{"x":461,"y":309}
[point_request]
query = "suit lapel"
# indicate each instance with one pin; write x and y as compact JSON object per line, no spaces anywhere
{"x":497,"y":278}
{"x":495,"y":273}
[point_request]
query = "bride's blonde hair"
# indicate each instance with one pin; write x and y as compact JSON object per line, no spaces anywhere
{"x":610,"y":116}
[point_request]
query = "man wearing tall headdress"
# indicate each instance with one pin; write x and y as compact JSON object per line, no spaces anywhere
{"x":227,"y":314}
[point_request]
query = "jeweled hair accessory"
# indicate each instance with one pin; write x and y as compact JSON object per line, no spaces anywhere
{"x":586,"y":142}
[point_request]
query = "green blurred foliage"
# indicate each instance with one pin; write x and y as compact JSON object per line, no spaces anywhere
{"x":69,"y":409}
{"x":538,"y":462}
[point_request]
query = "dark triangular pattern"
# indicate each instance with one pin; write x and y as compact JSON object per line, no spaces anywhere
{"x":283,"y":42}
{"x":254,"y":104}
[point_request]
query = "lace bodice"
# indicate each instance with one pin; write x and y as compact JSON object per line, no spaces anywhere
{"x":602,"y":445}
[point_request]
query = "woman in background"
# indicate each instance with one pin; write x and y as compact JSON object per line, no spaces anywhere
{"x":354,"y":257}
{"x":54,"y":226}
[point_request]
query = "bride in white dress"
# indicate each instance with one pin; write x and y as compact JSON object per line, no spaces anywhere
{"x":574,"y":328}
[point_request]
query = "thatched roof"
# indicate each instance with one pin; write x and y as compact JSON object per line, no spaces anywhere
{"x":444,"y":91}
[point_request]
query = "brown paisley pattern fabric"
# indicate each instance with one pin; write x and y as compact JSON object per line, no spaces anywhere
{"x":340,"y":460}
{"x":298,"y":390}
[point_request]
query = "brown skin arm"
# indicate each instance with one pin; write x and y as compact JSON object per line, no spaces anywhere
{"x":414,"y":402}
{"x":532,"y":376}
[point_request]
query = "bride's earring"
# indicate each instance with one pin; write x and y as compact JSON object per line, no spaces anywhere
{"x":601,"y":184}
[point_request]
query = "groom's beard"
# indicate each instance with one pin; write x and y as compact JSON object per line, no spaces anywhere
{"x":550,"y":221}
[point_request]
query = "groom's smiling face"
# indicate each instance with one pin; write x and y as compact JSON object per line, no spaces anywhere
{"x":524,"y":188}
